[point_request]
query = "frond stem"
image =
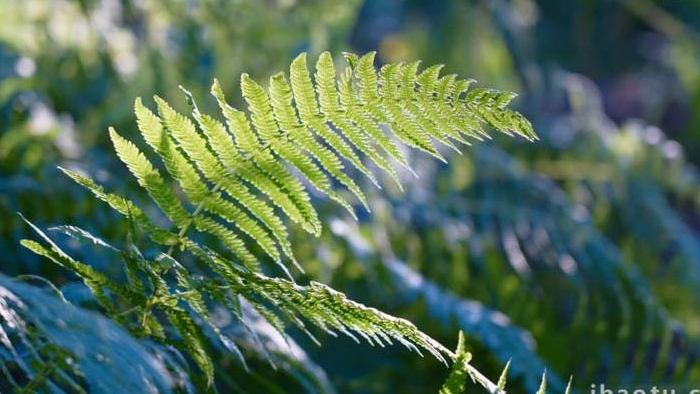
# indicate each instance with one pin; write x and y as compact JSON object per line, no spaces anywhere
{"x":197,"y":210}
{"x":477,"y":376}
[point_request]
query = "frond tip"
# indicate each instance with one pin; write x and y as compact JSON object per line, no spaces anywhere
{"x":504,"y":376}
{"x":457,"y":379}
{"x":543,"y":385}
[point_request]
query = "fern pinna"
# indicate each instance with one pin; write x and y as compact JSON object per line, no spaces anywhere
{"x":239,"y":178}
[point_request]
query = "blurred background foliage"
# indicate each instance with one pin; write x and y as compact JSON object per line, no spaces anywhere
{"x":579,"y":254}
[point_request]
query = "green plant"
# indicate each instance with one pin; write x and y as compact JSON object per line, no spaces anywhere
{"x":225,"y":182}
{"x":37,"y":329}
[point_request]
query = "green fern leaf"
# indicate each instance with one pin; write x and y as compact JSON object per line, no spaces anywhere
{"x":504,"y":377}
{"x":405,"y":125}
{"x":354,"y":112}
{"x":150,"y":179}
{"x":424,"y":115}
{"x":207,"y":199}
{"x":543,"y":384}
{"x":98,"y":283}
{"x":279,"y":183}
{"x":83,"y":235}
{"x":239,"y":178}
{"x":126,"y":208}
{"x":303,"y":91}
{"x":193,"y":340}
{"x":304,"y":141}
{"x":329,"y":100}
{"x":195,"y":146}
{"x":444,"y":122}
{"x":457,"y":380}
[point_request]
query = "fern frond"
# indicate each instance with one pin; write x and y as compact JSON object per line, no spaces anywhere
{"x":233,"y":177}
{"x":332,"y":311}
{"x":277,"y":299}
{"x":408,"y":128}
{"x":423,"y":112}
{"x":315,"y":126}
{"x":82,"y":235}
{"x":125,"y":207}
{"x":386,"y":106}
{"x":330,"y":102}
{"x":461,"y":369}
{"x":355,"y":113}
{"x":279,"y":141}
{"x":438,"y":113}
{"x":98,"y":283}
{"x":490,"y":105}
{"x":303,"y":140}
{"x":196,"y":189}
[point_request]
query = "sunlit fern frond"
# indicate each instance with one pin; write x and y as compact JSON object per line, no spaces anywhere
{"x":240,"y":173}
{"x":237,"y":180}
